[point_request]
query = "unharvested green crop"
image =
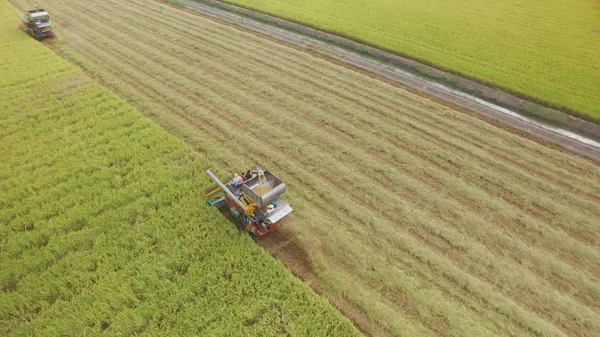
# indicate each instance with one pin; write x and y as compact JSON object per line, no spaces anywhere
{"x":545,"y":50}
{"x":103,"y":231}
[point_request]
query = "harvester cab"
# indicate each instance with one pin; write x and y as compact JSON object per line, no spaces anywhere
{"x":252,"y":198}
{"x":37,"y":23}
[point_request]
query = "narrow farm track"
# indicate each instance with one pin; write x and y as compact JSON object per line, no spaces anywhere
{"x":414,"y":217}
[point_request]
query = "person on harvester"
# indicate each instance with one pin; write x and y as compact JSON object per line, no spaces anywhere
{"x":237,"y":181}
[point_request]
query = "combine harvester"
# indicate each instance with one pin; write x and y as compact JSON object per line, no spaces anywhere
{"x":37,"y":23}
{"x":252,"y":199}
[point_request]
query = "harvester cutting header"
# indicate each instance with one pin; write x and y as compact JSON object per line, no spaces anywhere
{"x":252,"y":199}
{"x":37,"y":23}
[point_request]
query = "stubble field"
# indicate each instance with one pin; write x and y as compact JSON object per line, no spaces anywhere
{"x":417,"y":219}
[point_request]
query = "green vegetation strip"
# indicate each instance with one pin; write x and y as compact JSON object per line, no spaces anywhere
{"x":546,"y":51}
{"x":102,"y":229}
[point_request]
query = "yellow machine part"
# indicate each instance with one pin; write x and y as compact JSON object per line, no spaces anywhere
{"x":210,"y":191}
{"x":250,"y":205}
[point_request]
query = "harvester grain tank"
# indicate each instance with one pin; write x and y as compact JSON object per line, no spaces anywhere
{"x":37,"y":23}
{"x":252,"y":198}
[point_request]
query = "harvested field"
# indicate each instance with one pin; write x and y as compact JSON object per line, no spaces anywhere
{"x":417,"y":219}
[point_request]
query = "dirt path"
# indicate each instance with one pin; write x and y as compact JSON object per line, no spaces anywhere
{"x":287,"y":248}
{"x":579,"y":136}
